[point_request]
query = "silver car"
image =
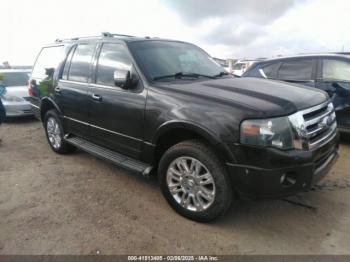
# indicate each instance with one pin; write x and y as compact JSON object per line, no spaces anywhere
{"x":15,"y":99}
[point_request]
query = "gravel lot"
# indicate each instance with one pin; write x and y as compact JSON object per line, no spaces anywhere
{"x":78,"y":204}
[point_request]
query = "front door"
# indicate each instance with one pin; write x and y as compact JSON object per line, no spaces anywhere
{"x":116,"y":114}
{"x":299,"y":71}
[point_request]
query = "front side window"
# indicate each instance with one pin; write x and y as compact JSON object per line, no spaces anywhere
{"x":296,"y":70}
{"x":270,"y":70}
{"x":162,"y":58}
{"x":79,"y":69}
{"x":336,"y":69}
{"x":112,"y":57}
{"x":47,"y":62}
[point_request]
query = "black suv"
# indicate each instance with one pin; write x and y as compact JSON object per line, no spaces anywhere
{"x":328,"y":72}
{"x":149,"y":104}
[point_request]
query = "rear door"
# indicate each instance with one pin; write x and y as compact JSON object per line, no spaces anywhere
{"x":116,"y":114}
{"x":300,"y":71}
{"x":72,"y":90}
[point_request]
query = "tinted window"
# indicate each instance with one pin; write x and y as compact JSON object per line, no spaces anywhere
{"x":296,"y":70}
{"x":112,"y":57}
{"x":336,"y":69}
{"x":47,"y":62}
{"x":14,"y":78}
{"x":80,"y":64}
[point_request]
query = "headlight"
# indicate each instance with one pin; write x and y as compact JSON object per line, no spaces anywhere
{"x":273,"y":132}
{"x":12,"y":98}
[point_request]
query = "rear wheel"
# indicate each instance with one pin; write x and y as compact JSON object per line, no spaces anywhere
{"x":194,"y":181}
{"x":54,"y":133}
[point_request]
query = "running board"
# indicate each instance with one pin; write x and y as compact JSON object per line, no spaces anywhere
{"x":109,"y":155}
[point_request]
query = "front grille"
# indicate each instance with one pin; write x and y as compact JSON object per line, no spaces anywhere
{"x":319,"y":124}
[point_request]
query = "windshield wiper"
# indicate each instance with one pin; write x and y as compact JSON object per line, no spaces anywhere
{"x":222,"y":73}
{"x":179,"y":75}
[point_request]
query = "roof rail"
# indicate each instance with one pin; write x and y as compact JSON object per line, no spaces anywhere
{"x":75,"y":38}
{"x":107,"y":34}
{"x":103,"y":34}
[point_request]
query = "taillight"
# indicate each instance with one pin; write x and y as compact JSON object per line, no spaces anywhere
{"x":30,"y":90}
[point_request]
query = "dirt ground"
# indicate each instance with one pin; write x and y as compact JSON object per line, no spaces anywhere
{"x":78,"y":204}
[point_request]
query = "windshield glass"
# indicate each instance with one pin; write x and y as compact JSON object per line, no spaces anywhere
{"x":165,"y":58}
{"x":238,"y":66}
{"x":14,"y":78}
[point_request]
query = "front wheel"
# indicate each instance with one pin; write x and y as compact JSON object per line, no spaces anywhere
{"x":54,"y":133}
{"x":194,"y":181}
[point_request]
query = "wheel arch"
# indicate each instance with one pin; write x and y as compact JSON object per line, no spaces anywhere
{"x":47,"y":104}
{"x":174,"y":132}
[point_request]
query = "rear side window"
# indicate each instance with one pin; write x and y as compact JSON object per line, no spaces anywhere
{"x":47,"y":62}
{"x":67,"y":64}
{"x":296,"y":70}
{"x":112,"y":57}
{"x":79,"y":69}
{"x":336,"y":69}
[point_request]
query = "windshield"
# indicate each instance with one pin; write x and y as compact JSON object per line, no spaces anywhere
{"x":166,"y":58}
{"x":238,"y":66}
{"x":9,"y":79}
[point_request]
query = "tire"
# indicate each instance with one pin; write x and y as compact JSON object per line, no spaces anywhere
{"x":187,"y":197}
{"x":54,"y":133}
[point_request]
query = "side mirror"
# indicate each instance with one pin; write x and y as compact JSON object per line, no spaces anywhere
{"x":125,"y":79}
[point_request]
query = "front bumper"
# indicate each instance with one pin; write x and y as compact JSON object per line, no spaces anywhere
{"x":269,"y":173}
{"x":15,"y":109}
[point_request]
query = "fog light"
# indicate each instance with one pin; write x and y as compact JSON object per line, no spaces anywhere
{"x":288,"y":179}
{"x":283,"y":177}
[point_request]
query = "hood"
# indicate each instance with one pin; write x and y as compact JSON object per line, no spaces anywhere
{"x":19,"y":91}
{"x":267,"y":98}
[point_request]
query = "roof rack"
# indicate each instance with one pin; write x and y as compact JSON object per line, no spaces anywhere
{"x":103,"y":34}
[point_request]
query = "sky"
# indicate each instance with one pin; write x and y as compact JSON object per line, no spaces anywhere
{"x":224,"y":28}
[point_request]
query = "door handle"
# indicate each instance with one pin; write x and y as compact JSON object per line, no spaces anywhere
{"x":58,"y":90}
{"x":97,"y":97}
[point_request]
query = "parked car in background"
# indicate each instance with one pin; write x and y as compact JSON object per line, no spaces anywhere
{"x":154,"y":104}
{"x":15,"y":100}
{"x":241,"y":66}
{"x":328,"y":72}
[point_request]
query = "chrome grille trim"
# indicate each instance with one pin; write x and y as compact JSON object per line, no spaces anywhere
{"x":314,"y":108}
{"x":323,"y":140}
{"x":315,"y":126}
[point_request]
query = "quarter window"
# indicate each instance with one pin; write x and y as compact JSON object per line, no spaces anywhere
{"x":112,"y":57}
{"x":336,"y":69}
{"x":79,"y":70}
{"x":47,"y":62}
{"x":296,"y":70}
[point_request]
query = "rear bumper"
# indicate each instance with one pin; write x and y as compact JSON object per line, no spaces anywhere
{"x":35,"y":111}
{"x":271,"y":173}
{"x":15,"y":109}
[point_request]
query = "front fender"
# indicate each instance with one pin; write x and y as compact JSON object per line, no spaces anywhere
{"x":221,"y":148}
